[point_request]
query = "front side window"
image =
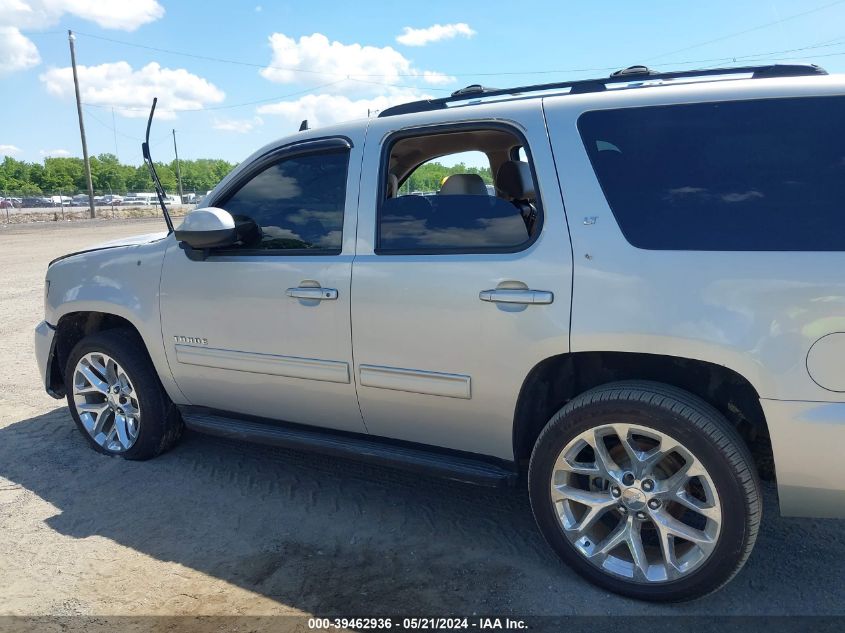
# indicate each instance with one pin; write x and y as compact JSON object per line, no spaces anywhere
{"x":764,"y":175}
{"x":457,"y":192}
{"x":296,"y":204}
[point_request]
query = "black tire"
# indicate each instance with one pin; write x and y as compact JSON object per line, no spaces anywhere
{"x":161,"y":425}
{"x":701,"y":429}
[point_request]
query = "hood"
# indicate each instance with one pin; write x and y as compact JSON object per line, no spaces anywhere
{"x":133,"y":240}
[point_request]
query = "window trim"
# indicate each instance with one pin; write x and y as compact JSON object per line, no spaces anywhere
{"x":324,"y":145}
{"x":445,"y":128}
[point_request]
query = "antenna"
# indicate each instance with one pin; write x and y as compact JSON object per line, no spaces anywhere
{"x":145,"y":150}
{"x":304,"y":125}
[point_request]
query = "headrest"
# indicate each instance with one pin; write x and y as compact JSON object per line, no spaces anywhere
{"x":464,"y":185}
{"x":515,"y":181}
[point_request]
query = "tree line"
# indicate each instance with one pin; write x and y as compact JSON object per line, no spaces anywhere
{"x":108,"y":175}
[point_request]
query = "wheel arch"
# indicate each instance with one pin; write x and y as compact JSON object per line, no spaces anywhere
{"x":71,"y":328}
{"x":554,"y":381}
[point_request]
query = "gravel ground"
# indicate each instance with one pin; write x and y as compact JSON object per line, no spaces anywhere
{"x":218,"y":527}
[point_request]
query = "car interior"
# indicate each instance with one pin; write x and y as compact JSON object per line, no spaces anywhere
{"x":512,"y":176}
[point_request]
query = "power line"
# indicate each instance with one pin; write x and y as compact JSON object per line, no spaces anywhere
{"x":743,"y":32}
{"x":358,"y":77}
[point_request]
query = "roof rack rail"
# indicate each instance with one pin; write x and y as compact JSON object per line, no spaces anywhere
{"x":581,"y":86}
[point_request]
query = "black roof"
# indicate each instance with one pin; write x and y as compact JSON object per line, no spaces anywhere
{"x":627,"y":75}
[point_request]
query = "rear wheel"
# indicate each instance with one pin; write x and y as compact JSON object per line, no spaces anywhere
{"x":116,"y":398}
{"x":646,"y":490}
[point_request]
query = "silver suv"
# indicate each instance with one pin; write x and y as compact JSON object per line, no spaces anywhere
{"x":646,"y":316}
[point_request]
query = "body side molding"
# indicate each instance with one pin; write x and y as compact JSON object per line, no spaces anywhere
{"x":270,"y":364}
{"x":416,"y":381}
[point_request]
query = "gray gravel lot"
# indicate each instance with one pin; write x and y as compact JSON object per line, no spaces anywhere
{"x":218,"y":527}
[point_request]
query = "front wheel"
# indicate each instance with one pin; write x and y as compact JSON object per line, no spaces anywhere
{"x":646,"y":490}
{"x":116,"y":398}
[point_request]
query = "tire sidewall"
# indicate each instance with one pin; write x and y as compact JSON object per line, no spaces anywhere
{"x":136,"y":365}
{"x":722,"y":562}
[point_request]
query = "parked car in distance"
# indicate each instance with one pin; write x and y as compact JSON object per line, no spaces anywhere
{"x":645,"y":319}
{"x":139,"y":200}
{"x":33,"y":202}
{"x":58,"y":201}
{"x":10,"y":203}
{"x":108,"y":200}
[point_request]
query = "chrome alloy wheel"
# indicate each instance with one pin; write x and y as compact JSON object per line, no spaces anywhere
{"x":636,"y":503}
{"x":106,"y":402}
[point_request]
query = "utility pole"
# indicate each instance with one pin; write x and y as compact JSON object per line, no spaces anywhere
{"x":178,"y":168}
{"x":71,"y":39}
{"x":114,"y":129}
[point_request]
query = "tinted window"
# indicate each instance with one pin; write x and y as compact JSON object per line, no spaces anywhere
{"x":297,"y":203}
{"x":450,"y":222}
{"x":749,"y":175}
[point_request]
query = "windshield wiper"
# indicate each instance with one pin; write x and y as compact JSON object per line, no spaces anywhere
{"x":145,"y":150}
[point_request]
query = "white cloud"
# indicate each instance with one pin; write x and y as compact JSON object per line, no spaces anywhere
{"x":126,"y":15}
{"x":314,"y":59}
{"x":17,"y":52}
{"x":324,"y":109}
{"x":133,"y":90}
{"x":54,"y":153}
{"x":241,"y":126}
{"x":9,"y":150}
{"x":434,"y":33}
{"x":435,"y":78}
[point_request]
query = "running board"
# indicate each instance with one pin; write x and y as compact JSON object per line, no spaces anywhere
{"x":447,"y":465}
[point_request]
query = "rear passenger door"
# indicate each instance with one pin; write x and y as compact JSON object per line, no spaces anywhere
{"x":444,"y":328}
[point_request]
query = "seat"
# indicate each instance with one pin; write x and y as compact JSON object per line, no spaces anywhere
{"x":463,"y":185}
{"x":515,"y":182}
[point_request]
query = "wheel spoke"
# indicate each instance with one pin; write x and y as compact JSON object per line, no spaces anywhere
{"x":604,"y":461}
{"x":665,"y":521}
{"x":95,"y":383}
{"x":120,"y":427}
{"x":635,"y":544}
{"x":613,"y":540}
{"x":667,"y":549}
{"x":709,"y":511}
{"x":622,"y":432}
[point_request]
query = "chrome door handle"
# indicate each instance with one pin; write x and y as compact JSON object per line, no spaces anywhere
{"x":315,"y":294}
{"x":517,"y":295}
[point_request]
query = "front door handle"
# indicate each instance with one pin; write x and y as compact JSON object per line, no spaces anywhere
{"x":517,"y":295}
{"x":315,"y":294}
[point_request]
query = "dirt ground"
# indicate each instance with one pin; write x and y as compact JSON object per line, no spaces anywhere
{"x":218,"y":527}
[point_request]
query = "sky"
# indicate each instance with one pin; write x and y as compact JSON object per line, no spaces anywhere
{"x":232,"y":76}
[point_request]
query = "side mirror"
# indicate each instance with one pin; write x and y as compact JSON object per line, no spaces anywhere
{"x":207,"y":228}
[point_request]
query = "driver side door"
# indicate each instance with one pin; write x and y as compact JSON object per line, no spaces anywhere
{"x":263,"y":328}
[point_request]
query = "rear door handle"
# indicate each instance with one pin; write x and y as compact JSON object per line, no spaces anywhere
{"x":315,"y":294}
{"x":517,"y":295}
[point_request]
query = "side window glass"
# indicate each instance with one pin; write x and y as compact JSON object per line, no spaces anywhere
{"x":295,"y":204}
{"x":457,"y":192}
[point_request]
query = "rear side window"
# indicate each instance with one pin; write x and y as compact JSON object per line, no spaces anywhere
{"x":732,"y":176}
{"x":458,"y":191}
{"x":296,"y":203}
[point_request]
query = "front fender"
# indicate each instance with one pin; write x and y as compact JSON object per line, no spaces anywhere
{"x":122,"y":281}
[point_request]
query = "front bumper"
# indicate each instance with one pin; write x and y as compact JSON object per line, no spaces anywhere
{"x":808,"y":441}
{"x":44,"y":348}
